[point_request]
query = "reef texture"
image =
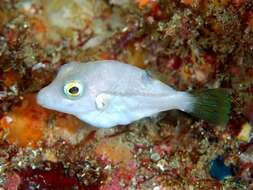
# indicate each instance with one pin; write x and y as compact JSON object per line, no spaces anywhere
{"x":188,"y":44}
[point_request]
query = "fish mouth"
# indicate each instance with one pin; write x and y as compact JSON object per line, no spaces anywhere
{"x":41,"y":102}
{"x":40,"y":99}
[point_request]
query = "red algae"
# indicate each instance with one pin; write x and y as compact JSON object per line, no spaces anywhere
{"x":53,"y":178}
{"x":12,"y":182}
{"x":174,"y":63}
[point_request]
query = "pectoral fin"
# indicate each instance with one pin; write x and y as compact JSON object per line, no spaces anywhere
{"x":103,"y":100}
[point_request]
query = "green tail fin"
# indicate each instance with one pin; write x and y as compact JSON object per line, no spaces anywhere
{"x":212,"y":105}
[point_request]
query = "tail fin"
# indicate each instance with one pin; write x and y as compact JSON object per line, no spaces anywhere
{"x":212,"y":105}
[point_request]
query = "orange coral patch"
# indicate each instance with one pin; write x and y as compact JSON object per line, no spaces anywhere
{"x":114,"y":150}
{"x":186,"y":73}
{"x":24,"y":124}
{"x":220,"y":2}
{"x":216,"y":27}
{"x":68,"y":122}
{"x":142,"y":3}
{"x":39,"y":29}
{"x":70,"y":128}
{"x":38,"y":25}
{"x":4,"y":18}
{"x":187,"y":2}
{"x":10,"y":78}
{"x":106,"y":56}
{"x":251,"y":22}
{"x":136,"y":57}
{"x":11,"y":37}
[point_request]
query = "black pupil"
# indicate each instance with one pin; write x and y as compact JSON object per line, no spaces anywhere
{"x":73,"y":90}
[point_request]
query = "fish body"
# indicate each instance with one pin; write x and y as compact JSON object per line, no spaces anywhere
{"x":109,"y":93}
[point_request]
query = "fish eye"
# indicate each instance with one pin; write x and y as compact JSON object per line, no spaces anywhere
{"x":73,"y":89}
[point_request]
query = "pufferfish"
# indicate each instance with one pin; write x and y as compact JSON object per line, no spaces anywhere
{"x":110,"y":93}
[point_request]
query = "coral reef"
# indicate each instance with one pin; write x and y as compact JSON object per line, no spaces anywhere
{"x":188,"y":44}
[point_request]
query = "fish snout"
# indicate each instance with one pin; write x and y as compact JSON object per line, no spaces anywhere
{"x":39,"y":98}
{"x":43,"y":98}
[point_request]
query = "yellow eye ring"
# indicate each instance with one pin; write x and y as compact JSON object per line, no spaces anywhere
{"x":73,"y":88}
